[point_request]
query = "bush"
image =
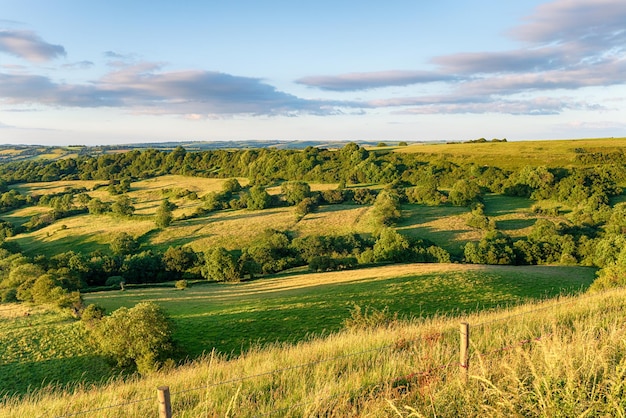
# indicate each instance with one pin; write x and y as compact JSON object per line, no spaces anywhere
{"x":305,"y":206}
{"x":139,"y":338}
{"x":181,"y":284}
{"x":115,"y":281}
{"x":610,"y":276}
{"x":92,"y":313}
{"x":8,"y":296}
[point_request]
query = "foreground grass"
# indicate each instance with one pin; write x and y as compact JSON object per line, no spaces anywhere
{"x":39,"y":346}
{"x":554,"y":358}
{"x":47,"y":347}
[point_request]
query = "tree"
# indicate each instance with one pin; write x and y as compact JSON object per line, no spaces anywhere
{"x":231,"y":186}
{"x":464,"y":193}
{"x":386,"y":209}
{"x":164,"y":217}
{"x":123,"y":206}
{"x":139,"y":337}
{"x":123,"y":244}
{"x":220,"y":265}
{"x":258,"y":198}
{"x":494,"y":248}
{"x":98,"y":207}
{"x":179,"y":259}
{"x":391,"y":246}
{"x":295,"y":191}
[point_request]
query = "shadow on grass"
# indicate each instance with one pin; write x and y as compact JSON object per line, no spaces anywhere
{"x":18,"y":379}
{"x":80,"y":243}
{"x":514,"y":224}
{"x":292,"y":315}
{"x":497,"y":205}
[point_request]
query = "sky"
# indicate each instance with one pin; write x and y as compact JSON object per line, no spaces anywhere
{"x":119,"y":72}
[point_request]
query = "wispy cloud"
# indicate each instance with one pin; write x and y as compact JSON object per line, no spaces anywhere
{"x":28,"y":45}
{"x":565,"y":44}
{"x":534,"y":106}
{"x":80,"y":65}
{"x":371,"y":80}
{"x":145,"y":88}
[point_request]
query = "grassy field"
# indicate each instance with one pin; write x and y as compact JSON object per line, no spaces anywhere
{"x":235,"y":229}
{"x":511,"y":155}
{"x":39,"y":346}
{"x":47,"y":347}
{"x":556,"y":358}
{"x":289,"y":308}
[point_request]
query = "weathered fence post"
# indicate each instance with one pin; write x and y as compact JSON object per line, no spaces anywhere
{"x":165,"y":404}
{"x":464,"y":351}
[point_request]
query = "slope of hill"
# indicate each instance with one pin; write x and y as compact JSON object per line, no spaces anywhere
{"x":555,"y":358}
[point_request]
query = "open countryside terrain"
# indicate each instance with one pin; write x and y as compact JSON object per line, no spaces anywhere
{"x":569,"y":353}
{"x":235,"y":317}
{"x":538,"y":227}
{"x":232,"y":229}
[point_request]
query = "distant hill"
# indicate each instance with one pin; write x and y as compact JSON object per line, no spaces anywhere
{"x":10,"y":153}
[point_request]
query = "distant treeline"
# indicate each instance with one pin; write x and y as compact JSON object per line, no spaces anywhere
{"x":351,"y":164}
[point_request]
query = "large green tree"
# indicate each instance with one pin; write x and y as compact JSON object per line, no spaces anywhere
{"x":220,"y":265}
{"x":139,"y":337}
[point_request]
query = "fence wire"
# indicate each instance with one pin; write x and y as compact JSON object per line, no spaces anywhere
{"x":353,"y":354}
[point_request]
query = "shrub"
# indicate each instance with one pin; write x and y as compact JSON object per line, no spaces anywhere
{"x":305,"y":206}
{"x":8,"y":295}
{"x":92,"y":313}
{"x":181,"y":284}
{"x":115,"y":281}
{"x":610,"y":276}
{"x":138,"y":338}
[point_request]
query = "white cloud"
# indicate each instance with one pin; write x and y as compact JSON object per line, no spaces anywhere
{"x":29,"y":46}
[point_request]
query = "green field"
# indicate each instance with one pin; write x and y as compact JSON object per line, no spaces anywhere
{"x":234,"y":316}
{"x":45,"y":347}
{"x":40,"y":346}
{"x":512,"y":155}
{"x":234,"y":229}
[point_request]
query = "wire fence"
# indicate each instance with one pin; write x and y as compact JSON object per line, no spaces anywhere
{"x":352,"y":392}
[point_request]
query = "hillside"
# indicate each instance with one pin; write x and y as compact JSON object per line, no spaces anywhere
{"x":555,"y":358}
{"x":243,"y":250}
{"x":511,"y":155}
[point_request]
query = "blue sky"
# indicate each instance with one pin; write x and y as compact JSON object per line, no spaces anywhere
{"x":113,"y":72}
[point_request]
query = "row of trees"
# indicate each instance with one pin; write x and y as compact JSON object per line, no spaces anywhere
{"x":35,"y":280}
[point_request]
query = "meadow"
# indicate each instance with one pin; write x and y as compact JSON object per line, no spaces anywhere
{"x":512,"y":155}
{"x":234,"y":229}
{"x":48,"y":347}
{"x":560,"y":357}
{"x":48,"y":361}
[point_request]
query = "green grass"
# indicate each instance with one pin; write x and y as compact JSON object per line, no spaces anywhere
{"x":232,"y":317}
{"x":562,"y":358}
{"x":47,"y":347}
{"x":44,"y":347}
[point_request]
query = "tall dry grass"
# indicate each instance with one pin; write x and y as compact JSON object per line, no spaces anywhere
{"x":555,"y":358}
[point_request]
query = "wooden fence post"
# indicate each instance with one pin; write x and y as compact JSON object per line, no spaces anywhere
{"x":464,"y":351}
{"x":165,"y":404}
